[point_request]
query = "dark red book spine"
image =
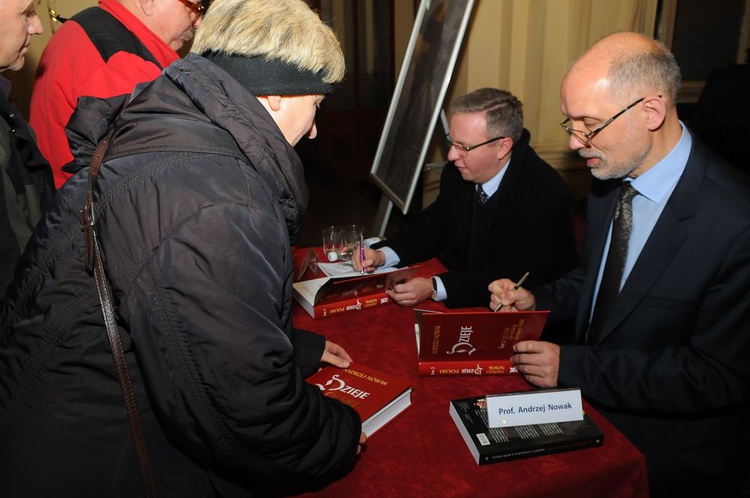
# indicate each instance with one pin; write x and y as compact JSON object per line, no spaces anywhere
{"x":348,"y":305}
{"x":466,"y":367}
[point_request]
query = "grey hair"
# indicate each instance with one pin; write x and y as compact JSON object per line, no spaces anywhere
{"x":285,"y":30}
{"x":503,"y":111}
{"x":642,"y":71}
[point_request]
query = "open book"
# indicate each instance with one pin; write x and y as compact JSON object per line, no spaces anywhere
{"x":473,"y":343}
{"x":326,"y":296}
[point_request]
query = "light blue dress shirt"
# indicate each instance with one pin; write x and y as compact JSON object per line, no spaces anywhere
{"x":654,"y":188}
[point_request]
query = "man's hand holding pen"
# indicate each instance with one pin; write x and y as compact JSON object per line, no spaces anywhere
{"x":369,"y":261}
{"x":509,"y":296}
{"x":537,"y":361}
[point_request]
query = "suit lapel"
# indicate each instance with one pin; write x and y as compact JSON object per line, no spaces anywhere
{"x":665,"y":240}
{"x":463,"y":208}
{"x":601,"y":206}
{"x":504,"y":196}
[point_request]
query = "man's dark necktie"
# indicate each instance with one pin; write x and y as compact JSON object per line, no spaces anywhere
{"x":482,"y":196}
{"x":622,"y":225}
{"x":479,"y":215}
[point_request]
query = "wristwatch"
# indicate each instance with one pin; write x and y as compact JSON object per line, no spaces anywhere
{"x":433,"y":296}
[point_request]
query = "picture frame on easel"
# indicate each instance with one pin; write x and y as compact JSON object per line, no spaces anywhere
{"x":417,"y":101}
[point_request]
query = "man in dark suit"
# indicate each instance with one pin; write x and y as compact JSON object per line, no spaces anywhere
{"x":669,"y":362}
{"x":521,"y":223}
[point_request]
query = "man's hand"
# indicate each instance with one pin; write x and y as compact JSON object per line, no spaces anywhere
{"x":538,"y":362}
{"x":336,"y":355}
{"x":411,"y":292}
{"x":505,"y":297}
{"x":362,"y":441}
{"x":373,"y":259}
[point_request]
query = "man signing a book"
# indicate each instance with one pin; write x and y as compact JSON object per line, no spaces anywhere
{"x":662,"y":336}
{"x":502,"y":210}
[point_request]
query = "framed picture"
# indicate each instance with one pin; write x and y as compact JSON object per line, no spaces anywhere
{"x":418,"y":98}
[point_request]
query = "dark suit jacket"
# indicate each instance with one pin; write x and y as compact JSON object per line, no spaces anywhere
{"x":530,"y":229}
{"x":672,"y":366}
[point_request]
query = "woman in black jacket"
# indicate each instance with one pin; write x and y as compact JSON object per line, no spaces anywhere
{"x":197,"y":200}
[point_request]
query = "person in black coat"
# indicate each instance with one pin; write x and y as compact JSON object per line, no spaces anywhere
{"x":524,"y":225}
{"x":26,"y":186}
{"x":198,"y":198}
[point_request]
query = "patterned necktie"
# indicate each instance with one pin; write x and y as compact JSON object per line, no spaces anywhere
{"x":481,"y":195}
{"x":609,"y":289}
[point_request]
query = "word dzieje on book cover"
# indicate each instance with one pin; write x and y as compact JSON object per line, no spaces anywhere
{"x":473,"y":343}
{"x":377,"y":397}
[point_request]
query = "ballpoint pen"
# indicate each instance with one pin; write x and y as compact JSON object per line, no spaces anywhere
{"x":515,"y":287}
{"x":362,"y":252}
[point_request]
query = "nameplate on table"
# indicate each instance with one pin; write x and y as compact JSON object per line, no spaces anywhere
{"x":534,"y":407}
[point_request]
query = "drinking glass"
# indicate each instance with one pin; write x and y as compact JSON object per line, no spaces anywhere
{"x":333,"y":240}
{"x":353,"y":234}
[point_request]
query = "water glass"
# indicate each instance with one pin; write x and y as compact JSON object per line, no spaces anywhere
{"x":333,"y":240}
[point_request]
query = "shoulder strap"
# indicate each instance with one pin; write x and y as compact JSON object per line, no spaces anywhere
{"x":110,"y":36}
{"x":94,"y":262}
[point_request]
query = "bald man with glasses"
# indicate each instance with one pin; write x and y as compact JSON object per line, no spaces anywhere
{"x":660,"y":302}
{"x":104,"y":51}
{"x":501,"y":210}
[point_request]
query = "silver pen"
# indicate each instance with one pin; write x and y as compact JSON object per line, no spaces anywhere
{"x":515,"y":287}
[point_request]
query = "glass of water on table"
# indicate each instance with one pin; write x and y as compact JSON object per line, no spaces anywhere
{"x":333,"y":242}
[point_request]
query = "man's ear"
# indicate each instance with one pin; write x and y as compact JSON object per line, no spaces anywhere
{"x":146,"y":6}
{"x":656,"y":111}
{"x":505,"y":147}
{"x":274,"y":102}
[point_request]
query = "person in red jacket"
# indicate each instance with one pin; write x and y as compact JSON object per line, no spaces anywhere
{"x":104,"y":51}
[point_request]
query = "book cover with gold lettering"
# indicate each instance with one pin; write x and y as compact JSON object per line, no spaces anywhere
{"x":377,"y":397}
{"x":473,"y":343}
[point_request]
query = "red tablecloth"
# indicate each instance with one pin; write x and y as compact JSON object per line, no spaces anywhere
{"x":421,"y":453}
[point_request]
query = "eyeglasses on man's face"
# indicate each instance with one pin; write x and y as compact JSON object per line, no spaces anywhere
{"x":585,"y":137}
{"x":197,"y":8}
{"x":463,"y":150}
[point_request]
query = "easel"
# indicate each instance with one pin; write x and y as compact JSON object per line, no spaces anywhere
{"x":385,"y":208}
{"x":417,"y":103}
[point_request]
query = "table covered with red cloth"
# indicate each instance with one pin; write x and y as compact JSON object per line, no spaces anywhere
{"x":421,"y":453}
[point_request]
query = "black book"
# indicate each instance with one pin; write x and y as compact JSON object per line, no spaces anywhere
{"x":492,"y":445}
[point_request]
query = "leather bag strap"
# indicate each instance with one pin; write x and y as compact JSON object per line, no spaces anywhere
{"x":94,"y":263}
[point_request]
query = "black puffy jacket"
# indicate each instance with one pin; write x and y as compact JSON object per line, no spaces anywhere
{"x":196,"y":202}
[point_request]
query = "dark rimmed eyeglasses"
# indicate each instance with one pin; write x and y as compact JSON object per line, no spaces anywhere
{"x":463,"y":150}
{"x":585,"y":137}
{"x":198,"y":8}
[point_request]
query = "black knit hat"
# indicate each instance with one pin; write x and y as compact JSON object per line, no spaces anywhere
{"x":274,"y":77}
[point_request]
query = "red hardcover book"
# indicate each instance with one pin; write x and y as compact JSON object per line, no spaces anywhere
{"x":327,"y":296}
{"x":377,"y":397}
{"x":467,"y":367}
{"x":473,"y":343}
